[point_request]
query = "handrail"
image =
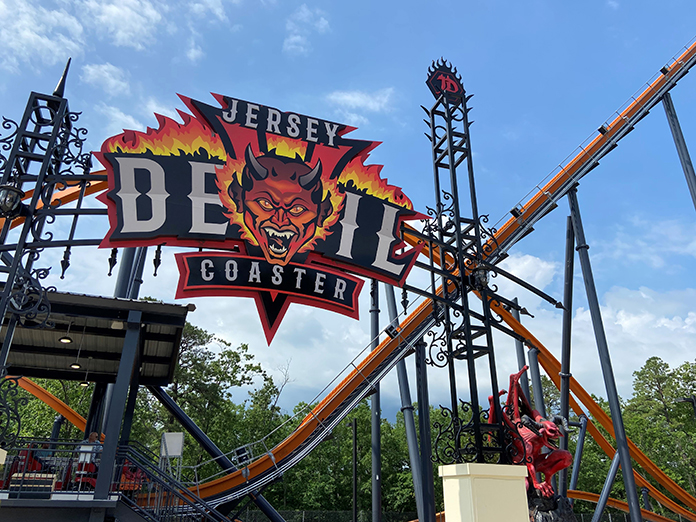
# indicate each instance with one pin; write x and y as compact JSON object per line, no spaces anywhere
{"x":156,"y":495}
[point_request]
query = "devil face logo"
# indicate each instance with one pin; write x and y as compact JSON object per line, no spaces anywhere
{"x":281,"y":200}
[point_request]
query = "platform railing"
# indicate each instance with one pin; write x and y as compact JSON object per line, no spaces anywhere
{"x":43,"y":469}
{"x":154,"y":494}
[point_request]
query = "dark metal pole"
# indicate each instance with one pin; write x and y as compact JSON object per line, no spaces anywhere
{"x":124,"y":272}
{"x":565,"y":342}
{"x":123,"y":284}
{"x":425,"y":435}
{"x":354,"y":424}
{"x":606,"y":489}
{"x":605,"y":360}
{"x":407,"y":409}
{"x":579,"y":447}
{"x":646,"y":499}
{"x":55,"y":430}
{"x":376,"y":413}
{"x":95,"y":409}
{"x":680,"y":143}
{"x":536,"y":382}
{"x":211,"y":448}
{"x":521,"y":357}
{"x":136,"y":278}
{"x":126,"y":367}
{"x":130,"y":405}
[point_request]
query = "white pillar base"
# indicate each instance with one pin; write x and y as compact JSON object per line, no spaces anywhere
{"x":485,"y":493}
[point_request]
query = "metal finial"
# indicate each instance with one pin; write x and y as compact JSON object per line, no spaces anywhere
{"x":60,"y":88}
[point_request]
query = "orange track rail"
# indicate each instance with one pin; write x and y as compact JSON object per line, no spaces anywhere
{"x":65,"y":196}
{"x":617,"y":504}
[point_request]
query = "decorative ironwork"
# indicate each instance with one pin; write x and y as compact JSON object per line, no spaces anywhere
{"x":10,"y":403}
{"x":29,"y":300}
{"x":42,"y":159}
{"x":458,"y":245}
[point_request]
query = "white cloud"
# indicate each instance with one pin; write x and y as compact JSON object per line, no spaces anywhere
{"x":32,"y":34}
{"x":300,"y":26}
{"x":111,"y":79}
{"x":650,"y":242}
{"x":117,"y":120}
{"x":296,"y":44}
{"x":128,"y":23}
{"x":215,"y":7}
{"x":613,"y":4}
{"x":153,"y":106}
{"x":194,"y":52}
{"x":377,"y":101}
{"x":350,"y":104}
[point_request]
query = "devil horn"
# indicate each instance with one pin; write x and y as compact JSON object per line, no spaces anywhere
{"x":309,"y":179}
{"x":257,"y":170}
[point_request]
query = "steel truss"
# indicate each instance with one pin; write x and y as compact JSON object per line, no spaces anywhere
{"x":457,"y":247}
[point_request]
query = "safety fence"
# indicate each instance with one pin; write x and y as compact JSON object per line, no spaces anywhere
{"x":41,"y":469}
{"x":252,"y":515}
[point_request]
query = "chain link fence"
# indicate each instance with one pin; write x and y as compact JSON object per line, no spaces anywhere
{"x":366,"y":516}
{"x":328,"y":516}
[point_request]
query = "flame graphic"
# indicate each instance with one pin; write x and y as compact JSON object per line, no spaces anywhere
{"x":193,"y":137}
{"x":170,"y":139}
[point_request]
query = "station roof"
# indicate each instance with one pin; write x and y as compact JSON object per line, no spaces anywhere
{"x":97,"y":327}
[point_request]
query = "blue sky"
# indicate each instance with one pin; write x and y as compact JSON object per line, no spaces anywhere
{"x":545,"y":76}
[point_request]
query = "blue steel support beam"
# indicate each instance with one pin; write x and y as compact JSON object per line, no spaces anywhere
{"x":577,"y":459}
{"x":565,"y":341}
{"x":606,"y":489}
{"x":126,"y":367}
{"x":376,"y":411}
{"x":605,"y":360}
{"x":407,"y":410}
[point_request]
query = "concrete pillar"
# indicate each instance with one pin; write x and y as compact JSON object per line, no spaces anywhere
{"x":478,"y":492}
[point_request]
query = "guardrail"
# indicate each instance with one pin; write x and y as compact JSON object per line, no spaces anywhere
{"x":67,"y":470}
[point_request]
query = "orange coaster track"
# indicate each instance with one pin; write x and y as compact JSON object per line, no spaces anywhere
{"x":334,"y":408}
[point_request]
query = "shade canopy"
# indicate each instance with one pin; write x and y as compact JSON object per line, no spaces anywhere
{"x":97,"y":328}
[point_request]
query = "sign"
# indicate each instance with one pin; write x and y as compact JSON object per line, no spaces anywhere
{"x":443,"y":79}
{"x":285,"y":201}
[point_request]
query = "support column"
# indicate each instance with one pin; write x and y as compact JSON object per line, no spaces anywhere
{"x":376,"y":413}
{"x":646,"y":499}
{"x":126,"y":367}
{"x":130,"y":405}
{"x":478,"y":492}
{"x":94,"y":420}
{"x":605,"y":360}
{"x":521,"y":358}
{"x":680,"y":143}
{"x":407,"y":410}
{"x":536,"y":382}
{"x":606,"y":489}
{"x":565,"y":342}
{"x":354,"y":424}
{"x":425,"y":435}
{"x":121,"y":289}
{"x":577,"y":459}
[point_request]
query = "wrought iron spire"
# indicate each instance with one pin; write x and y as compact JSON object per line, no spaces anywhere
{"x":59,"y":91}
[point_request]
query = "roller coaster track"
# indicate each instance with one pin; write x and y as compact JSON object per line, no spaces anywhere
{"x":617,"y":504}
{"x":336,"y":406}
